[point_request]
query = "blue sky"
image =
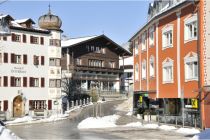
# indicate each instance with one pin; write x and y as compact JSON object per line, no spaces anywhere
{"x":119,"y":20}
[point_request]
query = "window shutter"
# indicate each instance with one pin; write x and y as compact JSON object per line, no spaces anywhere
{"x":42,"y":60}
{"x":31,"y":82}
{"x":5,"y":105}
{"x":49,"y":104}
{"x":31,"y":105}
{"x":12,"y":58}
{"x":12,"y":81}
{"x":5,"y":57}
{"x":42,"y":40}
{"x":24,"y":81}
{"x":13,"y":37}
{"x":24,"y":38}
{"x":42,"y":82}
{"x":31,"y":39}
{"x":5,"y":81}
{"x":24,"y":59}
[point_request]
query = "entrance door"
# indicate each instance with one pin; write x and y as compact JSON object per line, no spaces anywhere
{"x":17,"y":106}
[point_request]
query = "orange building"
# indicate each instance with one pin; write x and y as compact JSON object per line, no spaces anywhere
{"x":170,"y":58}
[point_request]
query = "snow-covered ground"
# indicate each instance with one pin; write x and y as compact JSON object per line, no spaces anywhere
{"x":109,"y":121}
{"x":126,"y":106}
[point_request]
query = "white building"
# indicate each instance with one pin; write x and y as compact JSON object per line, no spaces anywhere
{"x":30,"y":72}
{"x":126,"y":63}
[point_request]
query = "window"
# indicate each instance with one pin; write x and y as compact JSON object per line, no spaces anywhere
{"x":34,"y":82}
{"x":143,"y":42}
{"x":16,"y":37}
{"x":103,"y":51}
{"x":16,"y":59}
{"x":137,"y":72}
{"x":98,"y":50}
{"x":112,"y":64}
{"x":36,"y":60}
{"x":37,"y":104}
{"x":55,"y":42}
{"x":95,"y":63}
{"x":151,"y":37}
{"x":136,"y":48}
{"x":42,"y":40}
{"x":34,"y":40}
{"x":191,"y":67}
{"x":151,"y":67}
{"x":4,"y":38}
{"x":191,"y":28}
{"x":167,"y":37}
{"x":17,"y":82}
{"x":168,"y":71}
{"x":55,"y":62}
{"x":78,"y":61}
{"x":55,"y":83}
{"x":92,"y":48}
{"x":143,"y":72}
{"x":5,"y":57}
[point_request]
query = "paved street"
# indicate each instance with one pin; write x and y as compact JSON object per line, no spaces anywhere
{"x":67,"y":129}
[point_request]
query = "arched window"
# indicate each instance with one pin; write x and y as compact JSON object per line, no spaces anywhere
{"x":137,"y":71}
{"x":168,"y":70}
{"x":144,"y":69}
{"x":152,"y":66}
{"x":191,"y":66}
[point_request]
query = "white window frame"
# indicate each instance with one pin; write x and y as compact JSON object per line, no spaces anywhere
{"x":136,"y":72}
{"x":152,"y":69}
{"x":143,"y":42}
{"x":165,"y":41}
{"x":166,"y":65}
{"x":17,"y":82}
{"x":136,"y":47}
{"x":151,"y":34}
{"x":190,"y":21}
{"x":144,"y":70}
{"x":190,"y":59}
{"x":17,"y":59}
{"x":36,"y":82}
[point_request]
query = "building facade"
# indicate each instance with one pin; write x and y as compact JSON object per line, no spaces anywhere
{"x":30,"y":76}
{"x":168,"y":66}
{"x":126,"y":63}
{"x":94,"y":61}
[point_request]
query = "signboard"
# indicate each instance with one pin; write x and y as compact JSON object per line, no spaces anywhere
{"x":140,"y":99}
{"x":194,"y":103}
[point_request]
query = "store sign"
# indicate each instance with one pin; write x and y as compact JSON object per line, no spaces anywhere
{"x":18,"y":70}
{"x":194,"y":103}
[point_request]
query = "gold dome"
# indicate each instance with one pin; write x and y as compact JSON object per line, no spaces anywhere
{"x":50,"y":21}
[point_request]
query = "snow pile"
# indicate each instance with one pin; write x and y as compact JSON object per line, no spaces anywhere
{"x":99,"y":122}
{"x":55,"y":117}
{"x":203,"y":135}
{"x":6,"y":134}
{"x":189,"y":131}
{"x":20,"y":120}
{"x":134,"y":124}
{"x":151,"y":126}
{"x":167,"y":128}
{"x":127,"y":105}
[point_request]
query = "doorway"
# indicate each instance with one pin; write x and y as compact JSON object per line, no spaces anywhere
{"x":17,"y":106}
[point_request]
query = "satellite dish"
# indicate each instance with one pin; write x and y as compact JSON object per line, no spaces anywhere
{"x":4,"y":28}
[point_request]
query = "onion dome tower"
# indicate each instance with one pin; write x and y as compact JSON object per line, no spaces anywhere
{"x":50,"y":21}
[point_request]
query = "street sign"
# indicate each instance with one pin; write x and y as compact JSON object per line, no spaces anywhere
{"x":194,"y":103}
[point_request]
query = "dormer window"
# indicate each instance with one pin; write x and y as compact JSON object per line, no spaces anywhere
{"x":167,"y":36}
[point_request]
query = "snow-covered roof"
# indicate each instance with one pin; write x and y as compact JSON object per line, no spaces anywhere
{"x":73,"y":41}
{"x":24,"y":20}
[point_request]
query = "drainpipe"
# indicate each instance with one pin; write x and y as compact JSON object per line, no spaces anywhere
{"x":199,"y":71}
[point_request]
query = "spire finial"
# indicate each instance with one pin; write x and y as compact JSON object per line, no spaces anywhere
{"x":49,"y":9}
